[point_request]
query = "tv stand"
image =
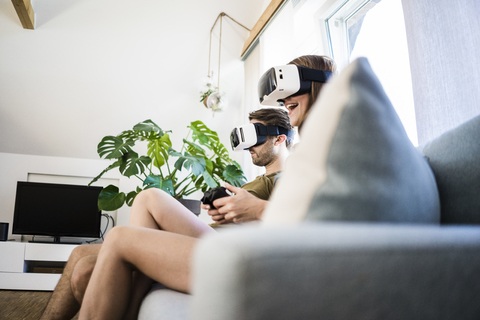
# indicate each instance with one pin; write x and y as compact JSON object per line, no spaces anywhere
{"x":56,"y":240}
{"x":32,"y":266}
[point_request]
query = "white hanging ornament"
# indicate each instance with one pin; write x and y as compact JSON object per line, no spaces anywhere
{"x":216,"y":102}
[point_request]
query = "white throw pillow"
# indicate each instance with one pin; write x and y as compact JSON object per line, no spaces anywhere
{"x":355,"y":161}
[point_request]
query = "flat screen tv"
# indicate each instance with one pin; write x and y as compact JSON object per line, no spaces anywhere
{"x":57,"y":210}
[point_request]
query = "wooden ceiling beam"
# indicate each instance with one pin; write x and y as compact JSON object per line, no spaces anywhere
{"x":267,"y":15}
{"x":25,"y":13}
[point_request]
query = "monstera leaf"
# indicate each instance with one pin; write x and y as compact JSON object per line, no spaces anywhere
{"x":148,"y":126}
{"x":194,"y":149}
{"x":209,"y":179}
{"x":154,"y":181}
{"x":203,"y":134}
{"x":195,"y":164}
{"x":209,"y":138}
{"x":233,"y":175}
{"x":222,"y":152}
{"x":158,"y":150}
{"x":131,"y":196}
{"x":114,"y":147}
{"x":110,"y":198}
{"x":133,"y":165}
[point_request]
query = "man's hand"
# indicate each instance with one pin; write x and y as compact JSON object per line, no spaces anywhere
{"x":240,"y":207}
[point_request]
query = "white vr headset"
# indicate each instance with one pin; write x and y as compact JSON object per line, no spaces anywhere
{"x":255,"y":134}
{"x":286,"y":81}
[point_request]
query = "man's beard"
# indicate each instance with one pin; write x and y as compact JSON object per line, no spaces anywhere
{"x":264,"y":157}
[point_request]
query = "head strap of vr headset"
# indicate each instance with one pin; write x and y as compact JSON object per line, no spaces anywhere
{"x":263,"y":130}
{"x":308,"y":75}
{"x":314,"y":74}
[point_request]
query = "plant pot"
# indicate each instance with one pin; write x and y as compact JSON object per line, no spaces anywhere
{"x":192,"y":205}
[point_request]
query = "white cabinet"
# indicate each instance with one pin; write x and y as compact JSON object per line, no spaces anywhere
{"x":12,"y":256}
{"x":24,"y":266}
{"x":48,"y":252}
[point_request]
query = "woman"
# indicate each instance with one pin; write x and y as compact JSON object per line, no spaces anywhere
{"x":299,"y":106}
{"x":163,"y":255}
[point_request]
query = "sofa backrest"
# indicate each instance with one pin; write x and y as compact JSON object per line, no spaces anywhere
{"x":455,"y":161}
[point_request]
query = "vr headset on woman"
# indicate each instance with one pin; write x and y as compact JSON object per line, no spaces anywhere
{"x":286,"y":81}
{"x":255,"y":134}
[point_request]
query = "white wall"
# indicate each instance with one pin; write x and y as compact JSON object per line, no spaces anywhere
{"x":96,"y":67}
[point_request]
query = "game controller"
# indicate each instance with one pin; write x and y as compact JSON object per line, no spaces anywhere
{"x":212,"y":195}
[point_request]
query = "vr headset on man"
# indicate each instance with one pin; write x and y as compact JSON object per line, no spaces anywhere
{"x":255,"y":134}
{"x":279,"y":83}
{"x":275,"y":85}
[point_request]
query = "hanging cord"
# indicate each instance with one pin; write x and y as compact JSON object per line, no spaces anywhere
{"x":219,"y":53}
{"x":220,"y":16}
{"x":102,"y":234}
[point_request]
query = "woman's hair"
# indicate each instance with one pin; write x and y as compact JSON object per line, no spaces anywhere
{"x":314,"y":62}
{"x":273,"y":117}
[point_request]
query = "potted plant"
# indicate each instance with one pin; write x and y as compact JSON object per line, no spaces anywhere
{"x":202,"y":154}
{"x":204,"y":94}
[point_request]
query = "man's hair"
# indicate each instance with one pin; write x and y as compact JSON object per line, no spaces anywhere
{"x":273,"y":117}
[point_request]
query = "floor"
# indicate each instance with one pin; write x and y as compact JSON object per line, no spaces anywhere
{"x":23,"y":305}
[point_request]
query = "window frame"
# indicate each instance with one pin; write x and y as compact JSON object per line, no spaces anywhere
{"x":347,"y":9}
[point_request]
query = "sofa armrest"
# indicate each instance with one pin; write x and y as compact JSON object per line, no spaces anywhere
{"x":338,"y":271}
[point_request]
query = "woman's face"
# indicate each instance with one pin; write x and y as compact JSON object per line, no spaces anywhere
{"x":297,"y":107}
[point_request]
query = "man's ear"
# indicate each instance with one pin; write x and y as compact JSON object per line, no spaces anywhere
{"x":280,"y":139}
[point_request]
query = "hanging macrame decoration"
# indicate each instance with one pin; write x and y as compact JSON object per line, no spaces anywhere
{"x":211,"y":97}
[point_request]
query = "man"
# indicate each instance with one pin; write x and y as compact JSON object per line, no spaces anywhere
{"x":154,"y":209}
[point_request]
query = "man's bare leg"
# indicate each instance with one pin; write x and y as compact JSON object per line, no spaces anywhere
{"x":62,"y":303}
{"x":141,"y":284}
{"x":162,"y":256}
{"x":81,"y":275}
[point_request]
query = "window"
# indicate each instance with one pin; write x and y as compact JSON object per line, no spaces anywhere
{"x":345,"y":30}
{"x":375,"y":29}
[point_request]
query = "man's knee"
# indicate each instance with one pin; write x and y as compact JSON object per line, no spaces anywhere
{"x":83,"y":251}
{"x":81,"y":276}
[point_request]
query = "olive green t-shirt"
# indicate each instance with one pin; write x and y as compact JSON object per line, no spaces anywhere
{"x":262,"y":186}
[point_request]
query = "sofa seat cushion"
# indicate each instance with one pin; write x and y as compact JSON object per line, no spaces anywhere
{"x":455,"y":160}
{"x":355,"y":161}
{"x":162,"y":303}
{"x":338,"y":271}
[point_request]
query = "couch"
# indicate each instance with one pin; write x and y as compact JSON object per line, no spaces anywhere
{"x":362,"y":225}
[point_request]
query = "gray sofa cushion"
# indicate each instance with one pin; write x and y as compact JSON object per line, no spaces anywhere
{"x":162,"y":303}
{"x":355,"y":161}
{"x":455,"y":160}
{"x":338,"y":271}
